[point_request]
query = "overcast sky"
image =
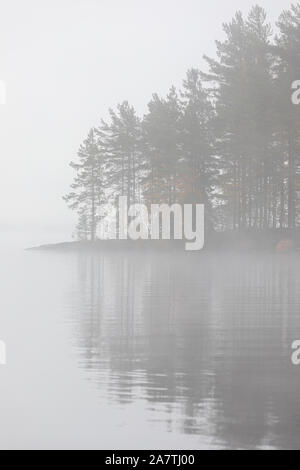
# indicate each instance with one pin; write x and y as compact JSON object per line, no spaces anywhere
{"x":65,"y":62}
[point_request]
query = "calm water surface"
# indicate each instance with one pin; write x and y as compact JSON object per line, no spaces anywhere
{"x":149,"y":351}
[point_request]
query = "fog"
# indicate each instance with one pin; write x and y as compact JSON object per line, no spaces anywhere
{"x":162,"y":150}
{"x":65,"y":62}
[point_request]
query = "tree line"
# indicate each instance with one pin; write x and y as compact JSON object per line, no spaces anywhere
{"x":229,"y":138}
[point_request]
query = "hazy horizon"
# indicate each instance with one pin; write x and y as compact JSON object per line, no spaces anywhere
{"x":172,"y":321}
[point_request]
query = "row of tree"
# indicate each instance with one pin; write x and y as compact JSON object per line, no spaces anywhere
{"x":230,"y":138}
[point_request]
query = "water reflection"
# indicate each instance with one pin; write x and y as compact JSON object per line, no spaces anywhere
{"x":205,"y":341}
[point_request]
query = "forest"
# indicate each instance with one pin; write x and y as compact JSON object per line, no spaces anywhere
{"x":229,"y":138}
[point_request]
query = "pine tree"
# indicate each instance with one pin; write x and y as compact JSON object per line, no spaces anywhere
{"x":87,"y":190}
{"x":288,"y":115}
{"x":199,"y":163}
{"x":241,"y":80}
{"x":161,"y":134}
{"x":122,"y":137}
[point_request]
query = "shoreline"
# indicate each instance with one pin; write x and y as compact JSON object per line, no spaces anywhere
{"x":277,"y":241}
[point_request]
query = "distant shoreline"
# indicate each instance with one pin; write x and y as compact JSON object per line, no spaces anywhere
{"x":248,"y":241}
{"x":118,"y":245}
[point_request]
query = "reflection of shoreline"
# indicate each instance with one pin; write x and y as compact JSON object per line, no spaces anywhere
{"x":209,"y":342}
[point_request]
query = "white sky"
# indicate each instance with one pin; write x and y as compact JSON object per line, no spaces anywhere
{"x":65,"y":62}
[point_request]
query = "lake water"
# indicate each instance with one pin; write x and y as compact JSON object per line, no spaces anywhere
{"x":116,"y":351}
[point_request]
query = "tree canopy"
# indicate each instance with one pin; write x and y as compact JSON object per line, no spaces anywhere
{"x":229,"y":138}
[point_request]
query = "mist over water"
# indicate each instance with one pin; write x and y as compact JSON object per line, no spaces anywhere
{"x":132,"y":133}
{"x":149,"y":351}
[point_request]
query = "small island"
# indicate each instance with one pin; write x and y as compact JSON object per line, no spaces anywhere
{"x":227,"y":139}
